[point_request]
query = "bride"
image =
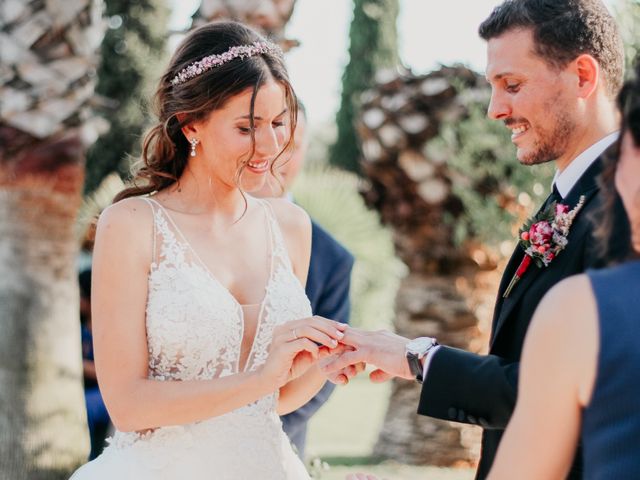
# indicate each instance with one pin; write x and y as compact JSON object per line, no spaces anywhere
{"x":203,"y":333}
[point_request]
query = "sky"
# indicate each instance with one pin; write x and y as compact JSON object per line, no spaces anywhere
{"x":430,"y":32}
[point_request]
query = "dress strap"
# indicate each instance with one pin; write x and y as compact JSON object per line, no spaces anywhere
{"x":151,"y":203}
{"x":279,"y":250}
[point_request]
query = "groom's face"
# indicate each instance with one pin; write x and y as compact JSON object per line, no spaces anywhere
{"x":530,"y":97}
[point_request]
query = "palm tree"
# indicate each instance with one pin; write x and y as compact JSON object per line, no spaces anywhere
{"x":268,"y":16}
{"x":47,"y":78}
{"x":441,"y":175}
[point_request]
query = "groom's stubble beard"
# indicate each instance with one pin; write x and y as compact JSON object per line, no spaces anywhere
{"x":551,"y":144}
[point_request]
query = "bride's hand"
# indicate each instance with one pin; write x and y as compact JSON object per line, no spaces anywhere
{"x":296,"y":345}
{"x":341,"y":377}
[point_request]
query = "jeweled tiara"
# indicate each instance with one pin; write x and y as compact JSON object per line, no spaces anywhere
{"x":212,"y":61}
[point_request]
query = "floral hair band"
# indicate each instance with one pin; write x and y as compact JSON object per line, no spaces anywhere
{"x":213,"y":61}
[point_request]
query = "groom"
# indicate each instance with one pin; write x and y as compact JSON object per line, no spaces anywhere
{"x":555,"y":67}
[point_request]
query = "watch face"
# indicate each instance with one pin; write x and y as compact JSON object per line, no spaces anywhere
{"x":420,"y":345}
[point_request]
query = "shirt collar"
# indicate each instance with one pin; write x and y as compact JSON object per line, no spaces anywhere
{"x":567,"y":179}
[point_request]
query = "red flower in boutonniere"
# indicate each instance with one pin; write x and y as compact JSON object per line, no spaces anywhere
{"x":543,"y":237}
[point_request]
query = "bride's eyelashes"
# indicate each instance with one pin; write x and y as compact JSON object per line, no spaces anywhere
{"x":247,"y":130}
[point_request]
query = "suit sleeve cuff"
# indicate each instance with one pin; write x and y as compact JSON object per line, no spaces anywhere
{"x":427,"y":361}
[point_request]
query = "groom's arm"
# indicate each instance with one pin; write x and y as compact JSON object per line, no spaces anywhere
{"x":459,"y":385}
{"x":469,"y":388}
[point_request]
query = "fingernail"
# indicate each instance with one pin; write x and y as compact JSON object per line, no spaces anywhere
{"x":334,"y":343}
{"x":339,"y":334}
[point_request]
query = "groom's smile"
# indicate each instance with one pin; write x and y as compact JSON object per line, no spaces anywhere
{"x":518,"y":129}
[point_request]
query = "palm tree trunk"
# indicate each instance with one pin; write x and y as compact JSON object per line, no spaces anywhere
{"x":42,"y":419}
{"x":267,"y":16}
{"x":430,"y":305}
{"x":46,"y":121}
{"x":412,"y":188}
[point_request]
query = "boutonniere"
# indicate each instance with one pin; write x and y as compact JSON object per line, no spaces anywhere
{"x":543,"y":237}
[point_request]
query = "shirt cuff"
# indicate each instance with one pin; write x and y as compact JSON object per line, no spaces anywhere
{"x":427,"y":361}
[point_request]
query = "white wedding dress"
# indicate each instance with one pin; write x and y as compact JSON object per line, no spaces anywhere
{"x":194,"y":331}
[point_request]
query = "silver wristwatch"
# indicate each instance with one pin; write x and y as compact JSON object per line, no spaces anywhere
{"x":416,"y":350}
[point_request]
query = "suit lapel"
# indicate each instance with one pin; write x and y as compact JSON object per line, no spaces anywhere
{"x":587,"y":185}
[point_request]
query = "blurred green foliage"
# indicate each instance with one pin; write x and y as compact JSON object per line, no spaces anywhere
{"x":373,"y":46}
{"x":627,"y":13}
{"x":132,"y":55}
{"x":485,"y":173}
{"x":331,"y":198}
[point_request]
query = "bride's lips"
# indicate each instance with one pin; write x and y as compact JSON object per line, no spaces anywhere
{"x":258,"y":166}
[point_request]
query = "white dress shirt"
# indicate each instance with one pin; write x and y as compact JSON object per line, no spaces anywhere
{"x":567,"y":179}
{"x":564,"y":181}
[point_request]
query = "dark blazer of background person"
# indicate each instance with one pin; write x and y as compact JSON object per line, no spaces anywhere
{"x":327,"y":287}
{"x":481,"y":389}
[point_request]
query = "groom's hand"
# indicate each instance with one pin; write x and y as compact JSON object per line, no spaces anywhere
{"x":343,"y":376}
{"x":383,"y":349}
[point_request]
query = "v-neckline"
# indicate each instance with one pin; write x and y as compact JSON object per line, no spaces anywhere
{"x":226,"y":290}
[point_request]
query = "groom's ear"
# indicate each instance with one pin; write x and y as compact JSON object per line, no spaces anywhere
{"x":587,"y":71}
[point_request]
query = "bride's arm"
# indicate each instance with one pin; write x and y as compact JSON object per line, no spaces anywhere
{"x":121,"y":262}
{"x":296,"y":228}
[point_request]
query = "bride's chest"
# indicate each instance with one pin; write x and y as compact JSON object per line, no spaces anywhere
{"x":189,"y":310}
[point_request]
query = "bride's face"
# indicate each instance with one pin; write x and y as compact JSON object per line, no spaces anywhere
{"x":628,"y":185}
{"x":225,"y":137}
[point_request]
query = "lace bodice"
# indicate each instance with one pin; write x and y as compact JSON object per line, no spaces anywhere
{"x":194,"y":325}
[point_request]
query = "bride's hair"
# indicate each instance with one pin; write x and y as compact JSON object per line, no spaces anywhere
{"x":165,"y":149}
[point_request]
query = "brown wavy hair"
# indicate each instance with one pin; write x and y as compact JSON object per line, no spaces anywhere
{"x":562,"y":31}
{"x":617,"y":249}
{"x":165,"y":149}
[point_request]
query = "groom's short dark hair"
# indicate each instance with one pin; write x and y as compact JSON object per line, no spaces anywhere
{"x":563,"y":30}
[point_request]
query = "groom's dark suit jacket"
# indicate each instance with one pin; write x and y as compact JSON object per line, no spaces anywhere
{"x":481,"y":389}
{"x":327,"y":287}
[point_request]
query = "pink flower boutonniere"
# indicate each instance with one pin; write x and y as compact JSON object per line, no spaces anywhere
{"x":543,"y":237}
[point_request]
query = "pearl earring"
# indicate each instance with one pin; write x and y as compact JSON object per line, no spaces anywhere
{"x":194,"y":142}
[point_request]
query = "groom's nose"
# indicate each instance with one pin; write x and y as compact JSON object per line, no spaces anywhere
{"x":499,"y":106}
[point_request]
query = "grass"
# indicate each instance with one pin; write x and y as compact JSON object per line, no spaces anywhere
{"x":392,"y":471}
{"x":342,"y":434}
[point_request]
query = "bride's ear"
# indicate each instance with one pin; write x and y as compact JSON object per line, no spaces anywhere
{"x":190,"y":130}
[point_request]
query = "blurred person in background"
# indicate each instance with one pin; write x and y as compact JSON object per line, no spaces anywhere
{"x":329,"y":277}
{"x":97,"y":415}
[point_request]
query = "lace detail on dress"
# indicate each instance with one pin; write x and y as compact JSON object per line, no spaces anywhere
{"x":194,"y":330}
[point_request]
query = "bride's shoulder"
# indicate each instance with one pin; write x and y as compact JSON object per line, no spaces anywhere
{"x":289,"y":215}
{"x":295,"y":225}
{"x":132,"y":209}
{"x":128,"y":218}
